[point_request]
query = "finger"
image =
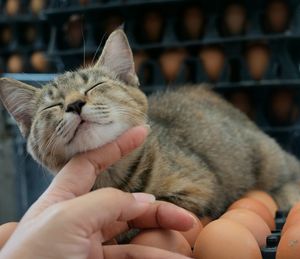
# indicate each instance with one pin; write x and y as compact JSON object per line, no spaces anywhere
{"x":79,"y":174}
{"x":98,"y":210}
{"x":138,"y":252}
{"x":6,"y":231}
{"x":160,"y":214}
{"x":166,"y":215}
{"x":95,"y":247}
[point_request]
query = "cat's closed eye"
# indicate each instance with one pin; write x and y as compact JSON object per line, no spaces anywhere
{"x":52,"y":106}
{"x":93,"y":87}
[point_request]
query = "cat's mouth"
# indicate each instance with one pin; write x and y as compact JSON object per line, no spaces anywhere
{"x":85,"y":125}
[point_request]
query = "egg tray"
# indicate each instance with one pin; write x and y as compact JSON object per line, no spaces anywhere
{"x":269,"y":251}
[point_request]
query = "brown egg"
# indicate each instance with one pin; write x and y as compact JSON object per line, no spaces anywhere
{"x":242,"y":101}
{"x":277,"y":16}
{"x":291,"y":220}
{"x":39,"y":61}
{"x":74,"y":30}
{"x":170,"y":240}
{"x":36,"y":6}
{"x":112,"y":23}
{"x":139,"y":58}
{"x":235,"y":19}
{"x":15,"y":64}
{"x":170,"y":63}
{"x":257,"y":207}
{"x":283,"y":108}
{"x":153,"y":26}
{"x":257,"y":59}
{"x":6,"y":231}
{"x":30,"y":34}
{"x":84,"y":2}
{"x":213,"y":60}
{"x":296,"y":207}
{"x":193,"y":22}
{"x":12,"y":7}
{"x":191,"y":235}
{"x":254,"y":223}
{"x":226,"y":239}
{"x":289,"y":245}
{"x":265,"y":198}
{"x":6,"y":35}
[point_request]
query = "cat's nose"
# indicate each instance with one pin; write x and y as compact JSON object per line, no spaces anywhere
{"x":75,"y":106}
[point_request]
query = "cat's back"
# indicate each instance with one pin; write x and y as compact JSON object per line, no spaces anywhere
{"x":191,"y":105}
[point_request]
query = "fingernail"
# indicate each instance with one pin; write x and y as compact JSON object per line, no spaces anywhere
{"x":144,"y":197}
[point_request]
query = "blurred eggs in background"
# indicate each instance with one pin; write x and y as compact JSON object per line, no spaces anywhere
{"x":15,"y":63}
{"x":39,"y":62}
{"x":192,"y":23}
{"x":257,"y":59}
{"x":277,"y":16}
{"x":170,"y":63}
{"x":12,"y":7}
{"x":213,"y":60}
{"x":234,"y":19}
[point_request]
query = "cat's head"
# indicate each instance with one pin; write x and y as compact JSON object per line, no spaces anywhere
{"x":79,"y":110}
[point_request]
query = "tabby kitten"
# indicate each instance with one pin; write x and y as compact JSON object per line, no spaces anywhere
{"x":201,"y":154}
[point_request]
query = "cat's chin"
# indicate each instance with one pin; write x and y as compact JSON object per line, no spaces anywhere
{"x":90,"y":136}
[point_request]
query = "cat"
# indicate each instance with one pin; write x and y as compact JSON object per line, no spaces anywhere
{"x":201,"y":153}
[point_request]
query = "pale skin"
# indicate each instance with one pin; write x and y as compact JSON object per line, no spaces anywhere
{"x":69,"y":221}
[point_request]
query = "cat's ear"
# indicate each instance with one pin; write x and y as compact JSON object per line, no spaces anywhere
{"x":117,"y":57}
{"x":20,"y":101}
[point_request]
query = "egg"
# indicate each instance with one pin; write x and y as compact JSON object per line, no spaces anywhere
{"x":15,"y":64}
{"x":5,"y":232}
{"x":139,"y":58}
{"x":254,"y":223}
{"x":36,"y":6}
{"x":170,"y":63}
{"x":243,"y":102}
{"x":257,"y":59}
{"x":153,"y":26}
{"x":226,"y":239}
{"x":30,"y":34}
{"x":170,"y":240}
{"x":191,"y":235}
{"x":292,"y":218}
{"x":39,"y":61}
{"x":283,"y":110}
{"x":74,"y":31}
{"x":257,"y":207}
{"x":277,"y":16}
{"x":6,"y":35}
{"x":193,"y":22}
{"x":235,"y":19}
{"x":289,"y":244}
{"x":12,"y":7}
{"x":265,"y":198}
{"x":213,"y":59}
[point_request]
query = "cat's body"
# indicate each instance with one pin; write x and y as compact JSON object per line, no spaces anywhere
{"x":201,"y":153}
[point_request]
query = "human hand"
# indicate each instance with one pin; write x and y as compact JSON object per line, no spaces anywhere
{"x":68,"y":221}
